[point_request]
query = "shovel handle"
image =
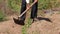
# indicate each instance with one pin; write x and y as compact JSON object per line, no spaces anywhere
{"x":27,"y":9}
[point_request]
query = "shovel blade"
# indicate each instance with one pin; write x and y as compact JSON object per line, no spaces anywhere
{"x":17,"y":21}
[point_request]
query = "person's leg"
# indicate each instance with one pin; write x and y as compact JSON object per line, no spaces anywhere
{"x":34,"y":10}
{"x":21,"y":20}
{"x":23,"y":8}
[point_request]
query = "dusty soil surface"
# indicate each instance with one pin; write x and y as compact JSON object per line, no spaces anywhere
{"x":9,"y":27}
{"x":39,"y":27}
{"x":45,"y":27}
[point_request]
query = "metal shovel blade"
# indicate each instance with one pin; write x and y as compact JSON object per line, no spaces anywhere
{"x":17,"y":21}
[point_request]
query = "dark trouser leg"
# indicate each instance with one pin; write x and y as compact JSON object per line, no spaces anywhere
{"x":23,"y":8}
{"x":21,"y":20}
{"x":34,"y":10}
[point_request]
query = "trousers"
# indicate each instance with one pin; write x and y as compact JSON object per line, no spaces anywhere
{"x":33,"y":10}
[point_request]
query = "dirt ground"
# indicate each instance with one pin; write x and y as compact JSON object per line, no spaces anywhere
{"x":39,"y":27}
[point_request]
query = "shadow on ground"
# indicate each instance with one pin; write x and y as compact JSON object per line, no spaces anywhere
{"x":46,"y":19}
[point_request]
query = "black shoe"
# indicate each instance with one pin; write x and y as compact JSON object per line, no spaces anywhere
{"x":19,"y":21}
{"x":34,"y":20}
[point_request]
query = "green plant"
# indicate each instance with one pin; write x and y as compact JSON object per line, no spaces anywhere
{"x":0,"y":0}
{"x":1,"y":16}
{"x":47,"y":4}
{"x":26,"y":26}
{"x":14,"y":4}
{"x":24,"y":31}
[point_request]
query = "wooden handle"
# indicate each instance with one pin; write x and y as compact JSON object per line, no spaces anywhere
{"x":26,"y":10}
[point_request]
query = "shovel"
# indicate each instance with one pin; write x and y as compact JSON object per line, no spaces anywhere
{"x":17,"y":20}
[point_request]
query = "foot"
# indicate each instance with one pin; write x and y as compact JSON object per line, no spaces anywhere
{"x":18,"y":21}
{"x":34,"y":20}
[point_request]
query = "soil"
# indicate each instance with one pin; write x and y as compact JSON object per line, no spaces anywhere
{"x":38,"y":27}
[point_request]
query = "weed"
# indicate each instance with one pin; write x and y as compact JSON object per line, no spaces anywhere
{"x":15,"y":5}
{"x":1,"y":16}
{"x":26,"y":26}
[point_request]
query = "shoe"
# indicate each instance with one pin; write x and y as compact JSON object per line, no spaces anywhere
{"x":34,"y":20}
{"x":19,"y":21}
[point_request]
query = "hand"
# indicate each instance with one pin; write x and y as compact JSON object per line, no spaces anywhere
{"x":28,"y":5}
{"x":35,"y":1}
